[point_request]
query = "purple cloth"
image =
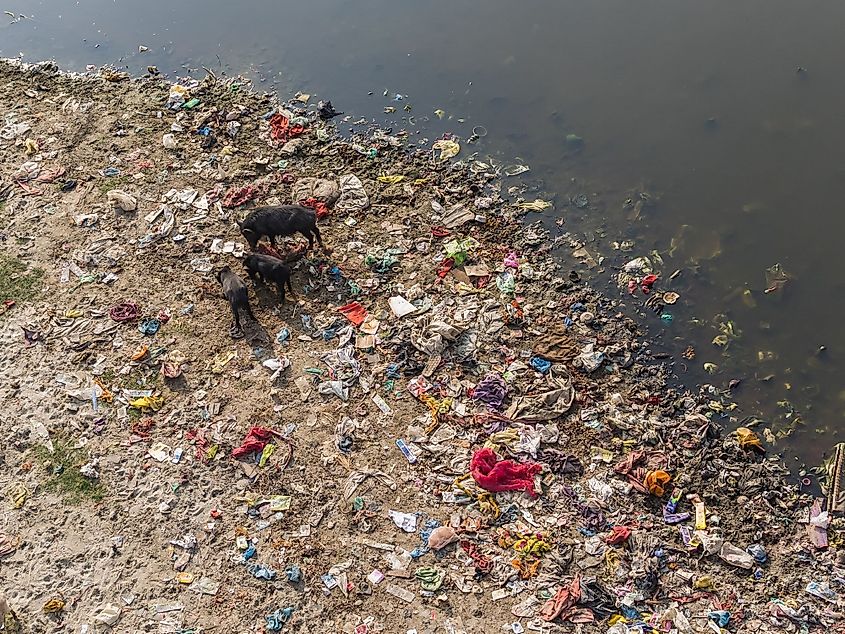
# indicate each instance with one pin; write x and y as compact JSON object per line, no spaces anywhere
{"x":491,"y":391}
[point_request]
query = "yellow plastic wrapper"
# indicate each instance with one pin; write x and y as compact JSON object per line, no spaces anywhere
{"x":391,"y":179}
{"x":268,"y":450}
{"x":219,"y":362}
{"x":700,"y":516}
{"x":747,"y":439}
{"x":17,"y":495}
{"x":534,"y":205}
{"x":53,"y":606}
{"x":448,"y":148}
{"x":704,"y":582}
{"x":154,"y":403}
{"x":185,"y":577}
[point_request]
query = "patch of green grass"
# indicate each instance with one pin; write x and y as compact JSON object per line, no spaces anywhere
{"x":148,"y":381}
{"x":64,"y":478}
{"x":17,"y":282}
{"x":182,"y":326}
{"x":112,"y":182}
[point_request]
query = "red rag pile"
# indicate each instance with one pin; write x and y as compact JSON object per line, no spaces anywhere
{"x":200,"y":442}
{"x":444,"y":267}
{"x":354,"y":312}
{"x":237,"y":196}
{"x":492,"y":474}
{"x":647,"y":282}
{"x":282,"y":130}
{"x":254,"y":442}
{"x":482,"y":561}
{"x":563,"y":605}
{"x":267,"y":249}
{"x":125,"y":311}
{"x":618,"y":535}
{"x":316,"y":205}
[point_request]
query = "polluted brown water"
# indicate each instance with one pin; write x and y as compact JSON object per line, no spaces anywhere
{"x":702,"y":136}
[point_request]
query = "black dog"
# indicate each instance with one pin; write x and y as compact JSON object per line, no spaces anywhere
{"x":235,"y":291}
{"x":280,"y":221}
{"x":269,"y":269}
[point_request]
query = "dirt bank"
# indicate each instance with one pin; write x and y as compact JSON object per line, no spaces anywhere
{"x":128,"y":503}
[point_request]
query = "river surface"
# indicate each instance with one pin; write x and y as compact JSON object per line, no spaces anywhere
{"x":727,"y":116}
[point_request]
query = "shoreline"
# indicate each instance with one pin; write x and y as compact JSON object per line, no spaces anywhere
{"x":146,"y":222}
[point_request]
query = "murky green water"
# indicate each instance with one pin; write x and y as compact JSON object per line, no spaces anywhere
{"x":701,"y":105}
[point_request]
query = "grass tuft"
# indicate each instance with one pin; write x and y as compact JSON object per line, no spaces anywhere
{"x":64,"y":478}
{"x":17,"y":281}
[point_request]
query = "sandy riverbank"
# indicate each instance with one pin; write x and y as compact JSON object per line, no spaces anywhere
{"x":109,"y":196}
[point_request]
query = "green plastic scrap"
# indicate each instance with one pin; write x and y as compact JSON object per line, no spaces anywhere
{"x":574,"y":141}
{"x":88,"y":278}
{"x":268,"y":450}
{"x":380,"y":261}
{"x":461,"y":250}
{"x":430,"y":578}
{"x":657,"y":257}
{"x":506,"y":283}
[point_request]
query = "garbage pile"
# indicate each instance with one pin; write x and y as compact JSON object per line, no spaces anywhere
{"x":441,"y":431}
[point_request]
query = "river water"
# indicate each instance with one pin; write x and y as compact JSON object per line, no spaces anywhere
{"x":727,"y":116}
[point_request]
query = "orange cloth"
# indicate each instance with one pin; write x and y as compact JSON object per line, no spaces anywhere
{"x":655,"y":481}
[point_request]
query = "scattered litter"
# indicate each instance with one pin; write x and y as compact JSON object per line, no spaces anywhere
{"x":486,"y":441}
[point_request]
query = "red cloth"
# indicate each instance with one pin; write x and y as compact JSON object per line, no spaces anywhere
{"x":354,"y":312}
{"x":236,"y":196}
{"x":317,"y":205}
{"x":444,"y":267}
{"x":563,"y":605}
{"x":282,"y":130}
{"x":618,"y":535}
{"x":492,"y":474}
{"x":266,"y":249}
{"x":254,"y":442}
{"x":482,"y":561}
{"x":648,"y":282}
